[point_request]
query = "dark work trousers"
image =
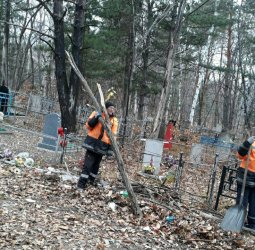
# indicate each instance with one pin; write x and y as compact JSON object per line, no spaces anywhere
{"x":90,"y":168}
{"x":248,"y":202}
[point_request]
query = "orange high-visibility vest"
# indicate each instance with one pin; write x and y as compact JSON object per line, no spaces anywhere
{"x":96,"y":131}
{"x":251,"y":166}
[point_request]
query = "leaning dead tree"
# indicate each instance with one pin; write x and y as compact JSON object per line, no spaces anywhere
{"x":121,"y":165}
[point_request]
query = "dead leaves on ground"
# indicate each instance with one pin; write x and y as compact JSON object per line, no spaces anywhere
{"x":43,"y":212}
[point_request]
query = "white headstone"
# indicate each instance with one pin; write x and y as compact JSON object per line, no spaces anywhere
{"x":153,"y":152}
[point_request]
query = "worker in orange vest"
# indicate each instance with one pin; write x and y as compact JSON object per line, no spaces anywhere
{"x":97,"y":144}
{"x":249,"y":193}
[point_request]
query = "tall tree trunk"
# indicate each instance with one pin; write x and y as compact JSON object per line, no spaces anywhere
{"x":23,"y":62}
{"x":202,"y":93}
{"x":228,"y":79}
{"x":77,"y":46}
{"x":195,"y":97}
{"x":6,"y":42}
{"x":60,"y":64}
{"x":218,"y":87}
{"x":40,"y":73}
{"x":32,"y":67}
{"x":245,"y":96}
{"x":145,"y":58}
{"x":129,"y":66}
{"x":174,"y":32}
{"x":67,"y":92}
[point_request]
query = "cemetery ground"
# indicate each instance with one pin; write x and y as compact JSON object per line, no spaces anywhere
{"x":41,"y":209}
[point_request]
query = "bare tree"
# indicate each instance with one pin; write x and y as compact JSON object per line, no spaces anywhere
{"x":129,"y":68}
{"x":68,"y":91}
{"x":145,"y":59}
{"x":6,"y":34}
{"x":23,"y":43}
{"x":228,"y":79}
{"x":177,"y":14}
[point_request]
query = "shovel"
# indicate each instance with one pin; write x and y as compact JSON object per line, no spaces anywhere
{"x":235,"y":216}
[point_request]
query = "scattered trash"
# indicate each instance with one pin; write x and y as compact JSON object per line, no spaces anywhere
{"x":147,"y":229}
{"x":69,"y":177}
{"x":7,"y":153}
{"x":170,"y":218}
{"x":124,"y":194}
{"x":38,"y":170}
{"x":108,"y":242}
{"x":109,"y":193}
{"x":29,"y":162}
{"x":104,"y":184}
{"x":170,"y":161}
{"x":170,"y":177}
{"x":52,"y":170}
{"x":112,"y":206}
{"x":16,"y":171}
{"x":30,"y":200}
{"x":19,"y":161}
{"x":66,"y":186}
{"x":24,"y":155}
{"x":11,"y":162}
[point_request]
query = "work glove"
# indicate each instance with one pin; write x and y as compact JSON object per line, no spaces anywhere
{"x":99,"y":114}
{"x":251,"y":139}
{"x":110,"y":153}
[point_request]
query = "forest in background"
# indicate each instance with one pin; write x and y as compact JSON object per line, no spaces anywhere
{"x":190,"y":61}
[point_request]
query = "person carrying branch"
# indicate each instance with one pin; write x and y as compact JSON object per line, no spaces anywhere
{"x":249,"y":193}
{"x":97,"y":144}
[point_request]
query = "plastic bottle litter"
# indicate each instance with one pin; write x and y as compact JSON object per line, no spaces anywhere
{"x":29,"y":162}
{"x":170,"y":218}
{"x":124,"y":194}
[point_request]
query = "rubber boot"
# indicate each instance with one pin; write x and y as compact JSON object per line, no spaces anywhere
{"x":82,"y":183}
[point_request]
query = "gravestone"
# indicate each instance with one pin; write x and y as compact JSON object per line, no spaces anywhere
{"x":35,"y":103}
{"x":218,"y":128}
{"x":40,"y":104}
{"x":196,"y":153}
{"x":47,"y":105}
{"x":153,"y":154}
{"x":51,"y":124}
{"x":223,"y":149}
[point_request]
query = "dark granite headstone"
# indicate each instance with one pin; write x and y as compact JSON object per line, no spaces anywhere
{"x":51,"y":124}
